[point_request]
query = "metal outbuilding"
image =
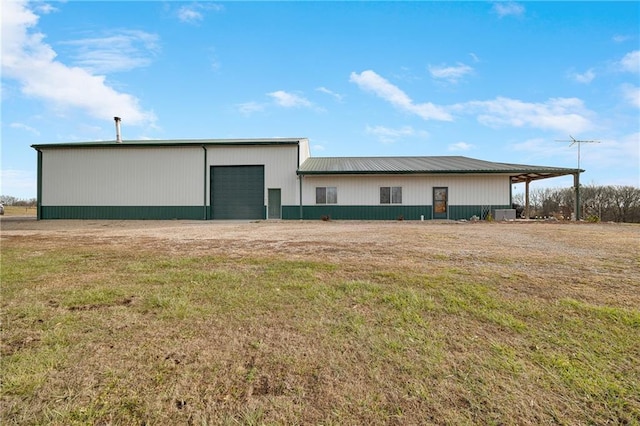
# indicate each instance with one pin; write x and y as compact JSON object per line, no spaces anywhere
{"x":186,"y":179}
{"x":272,"y":178}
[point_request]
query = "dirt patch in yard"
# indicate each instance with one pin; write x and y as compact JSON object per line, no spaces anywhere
{"x":601,"y":261}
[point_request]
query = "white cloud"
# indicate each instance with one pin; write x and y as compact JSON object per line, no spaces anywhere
{"x":460,"y":146}
{"x":23,"y":126}
{"x":18,"y":183}
{"x":193,"y":13}
{"x":213,"y":59}
{"x":390,"y":135}
{"x":540,"y":146}
{"x":318,"y":148}
{"x":629,"y":149}
{"x":568,"y":115}
{"x":189,"y":15}
{"x":452,"y":74}
{"x":372,"y":82}
{"x":44,"y":8}
{"x":619,"y":153}
{"x":585,"y":78}
{"x":542,"y":149}
{"x":248,"y":108}
{"x":508,"y":8}
{"x":563,"y":114}
{"x":289,"y":100}
{"x":337,"y":96}
{"x":631,"y":62}
{"x":631,"y":94}
{"x":280,"y":98}
{"x":619,"y":38}
{"x":121,"y":51}
{"x":27,"y":59}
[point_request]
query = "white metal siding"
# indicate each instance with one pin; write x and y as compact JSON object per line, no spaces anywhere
{"x":416,"y":189}
{"x":305,"y":152}
{"x":280,"y":166}
{"x":123,"y":176}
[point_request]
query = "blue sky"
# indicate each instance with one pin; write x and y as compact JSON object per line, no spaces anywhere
{"x":498,"y":81}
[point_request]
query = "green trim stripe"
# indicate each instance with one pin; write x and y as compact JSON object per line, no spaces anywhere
{"x":288,"y":212}
{"x":357,"y":212}
{"x":121,"y":212}
{"x":381,"y":212}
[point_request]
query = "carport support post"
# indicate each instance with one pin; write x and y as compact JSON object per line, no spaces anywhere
{"x":526,"y":198}
{"x":576,"y":185}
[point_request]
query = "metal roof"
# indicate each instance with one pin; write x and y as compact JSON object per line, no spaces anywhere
{"x":427,"y":165}
{"x":172,"y":142}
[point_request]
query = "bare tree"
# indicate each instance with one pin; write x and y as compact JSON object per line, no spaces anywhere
{"x":607,"y":203}
{"x":625,"y":200}
{"x":536,"y":197}
{"x":8,"y":200}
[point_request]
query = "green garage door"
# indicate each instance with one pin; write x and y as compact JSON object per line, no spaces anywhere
{"x":237,"y":192}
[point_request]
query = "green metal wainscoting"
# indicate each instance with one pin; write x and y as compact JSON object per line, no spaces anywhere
{"x":381,"y":212}
{"x":315,"y":212}
{"x":357,"y":212}
{"x":123,"y":212}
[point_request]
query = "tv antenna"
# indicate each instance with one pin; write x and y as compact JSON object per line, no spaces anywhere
{"x":576,"y":141}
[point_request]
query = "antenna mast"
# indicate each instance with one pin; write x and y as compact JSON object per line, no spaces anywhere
{"x":579,"y":142}
{"x":576,"y":176}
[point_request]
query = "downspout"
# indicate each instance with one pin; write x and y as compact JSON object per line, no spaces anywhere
{"x":204,"y":185}
{"x":39,"y":187}
{"x":300,"y":178}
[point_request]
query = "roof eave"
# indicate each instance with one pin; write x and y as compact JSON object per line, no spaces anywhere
{"x":551,"y":173}
{"x":177,"y":142}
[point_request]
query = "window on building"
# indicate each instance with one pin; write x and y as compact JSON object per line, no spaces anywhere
{"x":390,"y":195}
{"x":326,"y":195}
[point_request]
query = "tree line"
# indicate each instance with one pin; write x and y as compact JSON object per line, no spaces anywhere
{"x":609,"y":203}
{"x":9,"y":200}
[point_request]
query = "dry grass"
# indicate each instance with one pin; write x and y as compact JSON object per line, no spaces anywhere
{"x":110,"y":322}
{"x":20,"y":211}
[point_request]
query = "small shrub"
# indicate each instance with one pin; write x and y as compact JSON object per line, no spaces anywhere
{"x":400,"y":218}
{"x":593,"y":218}
{"x":489,"y":217}
{"x":325,"y":218}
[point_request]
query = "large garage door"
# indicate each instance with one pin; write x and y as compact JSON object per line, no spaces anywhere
{"x":237,"y":192}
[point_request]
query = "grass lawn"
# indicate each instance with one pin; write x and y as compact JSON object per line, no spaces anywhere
{"x":96,"y":330}
{"x":19,"y":211}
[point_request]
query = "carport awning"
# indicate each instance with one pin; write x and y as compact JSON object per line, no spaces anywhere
{"x":428,"y":165}
{"x":531,"y":176}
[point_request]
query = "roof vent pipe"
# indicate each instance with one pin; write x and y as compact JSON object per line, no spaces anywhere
{"x":118,"y":138}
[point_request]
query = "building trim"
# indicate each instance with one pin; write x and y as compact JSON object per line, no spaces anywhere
{"x":383,"y":212}
{"x":173,"y":143}
{"x":39,"y":189}
{"x":121,"y":212}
